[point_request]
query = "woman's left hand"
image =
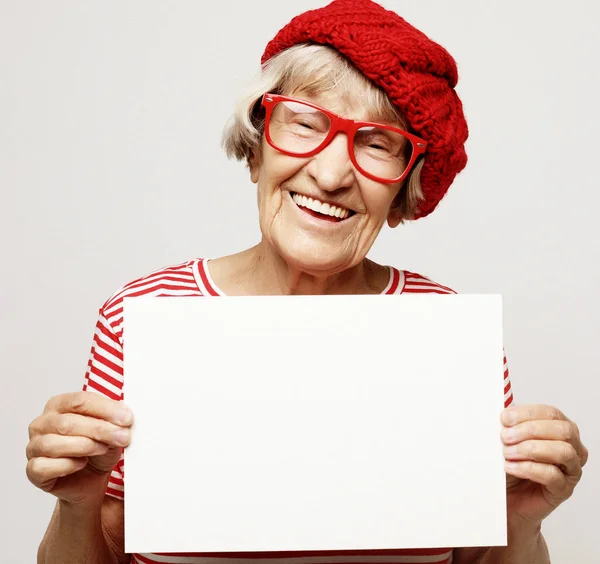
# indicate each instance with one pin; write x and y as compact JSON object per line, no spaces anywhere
{"x":544,"y":460}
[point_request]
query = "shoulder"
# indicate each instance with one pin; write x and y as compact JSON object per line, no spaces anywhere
{"x":173,"y":280}
{"x":414,"y":283}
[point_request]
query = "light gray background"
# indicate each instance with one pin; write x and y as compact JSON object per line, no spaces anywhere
{"x":110,"y":167}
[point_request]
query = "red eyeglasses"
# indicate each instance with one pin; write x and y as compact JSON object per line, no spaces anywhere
{"x":302,"y":129}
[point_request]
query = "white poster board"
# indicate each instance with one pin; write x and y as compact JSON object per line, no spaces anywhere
{"x":314,"y":423}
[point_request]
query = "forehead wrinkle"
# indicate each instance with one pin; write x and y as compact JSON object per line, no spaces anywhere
{"x":346,"y":105}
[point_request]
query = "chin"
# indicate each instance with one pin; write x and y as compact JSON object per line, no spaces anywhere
{"x":315,"y":260}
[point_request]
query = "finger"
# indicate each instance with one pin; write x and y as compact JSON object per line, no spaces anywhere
{"x":583,"y":454}
{"x":517,"y":414}
{"x":547,"y":475}
{"x":559,"y":453}
{"x":541,"y":430}
{"x":42,"y":472}
{"x":566,"y":431}
{"x":71,"y":424}
{"x":57,"y":446}
{"x":92,"y":405}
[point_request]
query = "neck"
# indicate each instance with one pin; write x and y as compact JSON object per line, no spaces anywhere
{"x":260,"y":270}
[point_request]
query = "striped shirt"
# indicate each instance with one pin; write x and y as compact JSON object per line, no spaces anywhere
{"x":105,"y":376}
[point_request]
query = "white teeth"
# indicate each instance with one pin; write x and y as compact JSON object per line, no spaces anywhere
{"x":320,"y":207}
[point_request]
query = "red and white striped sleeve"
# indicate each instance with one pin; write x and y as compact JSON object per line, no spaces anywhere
{"x":508,"y":393}
{"x":104,"y":376}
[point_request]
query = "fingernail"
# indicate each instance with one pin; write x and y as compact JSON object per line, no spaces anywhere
{"x":509,"y":435}
{"x":122,"y":437}
{"x":124,"y":416}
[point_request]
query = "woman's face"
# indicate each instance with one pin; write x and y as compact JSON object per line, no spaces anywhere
{"x":315,"y":243}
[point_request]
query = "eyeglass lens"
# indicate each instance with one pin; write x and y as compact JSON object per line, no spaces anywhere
{"x":297,"y":128}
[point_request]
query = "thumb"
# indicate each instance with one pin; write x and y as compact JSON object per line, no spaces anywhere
{"x":104,"y":463}
{"x":512,"y":482}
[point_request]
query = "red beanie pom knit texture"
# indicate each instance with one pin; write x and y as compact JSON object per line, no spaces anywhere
{"x":418,"y":75}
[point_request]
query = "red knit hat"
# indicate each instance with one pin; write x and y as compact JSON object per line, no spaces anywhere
{"x":417,"y":74}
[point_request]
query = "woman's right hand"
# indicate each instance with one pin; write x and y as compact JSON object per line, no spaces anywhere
{"x":74,"y":445}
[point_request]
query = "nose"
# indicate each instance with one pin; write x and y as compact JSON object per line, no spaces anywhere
{"x":331,"y":168}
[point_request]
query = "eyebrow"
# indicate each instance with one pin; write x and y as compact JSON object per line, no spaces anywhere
{"x":383,"y":119}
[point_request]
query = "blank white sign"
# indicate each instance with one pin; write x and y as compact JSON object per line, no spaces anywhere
{"x":314,"y":423}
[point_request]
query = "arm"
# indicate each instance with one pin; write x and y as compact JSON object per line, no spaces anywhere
{"x":523,"y":548}
{"x":76,"y":536}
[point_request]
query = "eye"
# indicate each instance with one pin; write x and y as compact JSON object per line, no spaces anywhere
{"x":378,"y":144}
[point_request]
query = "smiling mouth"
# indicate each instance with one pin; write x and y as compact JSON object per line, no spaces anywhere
{"x":321,"y":210}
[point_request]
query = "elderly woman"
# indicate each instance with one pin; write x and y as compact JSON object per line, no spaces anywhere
{"x":353,"y":122}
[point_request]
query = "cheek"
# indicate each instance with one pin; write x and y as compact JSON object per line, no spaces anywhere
{"x":378,"y":200}
{"x":276,"y":174}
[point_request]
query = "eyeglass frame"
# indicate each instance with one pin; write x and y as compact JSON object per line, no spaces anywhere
{"x":343,"y":125}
